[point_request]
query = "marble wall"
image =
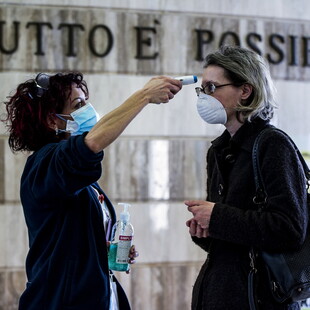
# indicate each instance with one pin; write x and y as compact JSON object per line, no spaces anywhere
{"x":160,"y":159}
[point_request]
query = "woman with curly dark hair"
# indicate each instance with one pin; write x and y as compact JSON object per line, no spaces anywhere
{"x":66,"y":212}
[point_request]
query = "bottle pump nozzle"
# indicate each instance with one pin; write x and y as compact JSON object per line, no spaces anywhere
{"x":124,"y":216}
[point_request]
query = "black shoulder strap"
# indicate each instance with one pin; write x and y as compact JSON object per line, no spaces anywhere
{"x":261,"y":195}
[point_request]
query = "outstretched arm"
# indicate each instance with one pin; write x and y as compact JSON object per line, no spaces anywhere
{"x":158,"y":90}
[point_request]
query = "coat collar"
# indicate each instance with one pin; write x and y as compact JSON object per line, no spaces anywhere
{"x":243,"y":138}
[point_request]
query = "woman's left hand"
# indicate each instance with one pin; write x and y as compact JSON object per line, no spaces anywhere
{"x":132,"y":256}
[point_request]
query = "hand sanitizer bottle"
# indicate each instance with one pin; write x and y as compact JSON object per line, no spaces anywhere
{"x":122,"y":235}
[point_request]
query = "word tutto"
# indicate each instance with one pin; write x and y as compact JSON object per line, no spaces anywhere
{"x":73,"y":31}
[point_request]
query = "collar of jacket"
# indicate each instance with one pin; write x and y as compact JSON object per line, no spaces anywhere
{"x":244,"y":137}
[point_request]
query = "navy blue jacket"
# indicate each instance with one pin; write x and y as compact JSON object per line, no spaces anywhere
{"x":67,"y":266}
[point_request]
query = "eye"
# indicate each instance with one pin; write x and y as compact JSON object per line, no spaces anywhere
{"x":79,"y":104}
{"x":211,"y":87}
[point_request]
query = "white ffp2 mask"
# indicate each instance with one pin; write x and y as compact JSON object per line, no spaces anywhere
{"x":211,"y":110}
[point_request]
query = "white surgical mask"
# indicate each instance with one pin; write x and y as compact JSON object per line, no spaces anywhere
{"x":211,"y":110}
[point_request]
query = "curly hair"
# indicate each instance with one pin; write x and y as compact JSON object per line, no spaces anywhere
{"x":243,"y":66}
{"x":30,"y":111}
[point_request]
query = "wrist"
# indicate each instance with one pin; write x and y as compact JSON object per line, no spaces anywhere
{"x":141,"y":97}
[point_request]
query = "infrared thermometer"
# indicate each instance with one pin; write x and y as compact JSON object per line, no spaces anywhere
{"x":187,"y":79}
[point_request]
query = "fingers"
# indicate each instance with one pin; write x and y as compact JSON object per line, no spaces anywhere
{"x":188,"y":223}
{"x":199,"y":231}
{"x":194,"y":210}
{"x":168,"y":94}
{"x":191,"y":203}
{"x":201,"y":210}
{"x":204,"y":225}
{"x":132,"y":255}
{"x":166,"y":98}
{"x":202,"y":221}
{"x":133,"y":252}
{"x":162,"y":89}
{"x":175,"y":82}
{"x":205,"y":233}
{"x":196,"y":230}
{"x":193,"y":227}
{"x":172,"y":83}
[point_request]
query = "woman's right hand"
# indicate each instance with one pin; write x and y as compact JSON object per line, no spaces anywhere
{"x":161,"y":89}
{"x":196,"y":230}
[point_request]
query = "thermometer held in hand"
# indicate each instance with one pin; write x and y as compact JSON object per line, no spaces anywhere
{"x":187,"y":79}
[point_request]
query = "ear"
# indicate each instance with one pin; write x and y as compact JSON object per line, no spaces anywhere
{"x":246,"y":91}
{"x":52,"y":121}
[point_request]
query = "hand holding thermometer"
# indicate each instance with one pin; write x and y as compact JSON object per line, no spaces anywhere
{"x":187,"y":79}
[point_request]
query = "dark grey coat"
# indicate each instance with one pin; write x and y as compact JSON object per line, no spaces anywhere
{"x":235,"y":223}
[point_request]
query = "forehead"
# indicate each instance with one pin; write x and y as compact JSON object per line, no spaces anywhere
{"x":76,"y":93}
{"x":213,"y":73}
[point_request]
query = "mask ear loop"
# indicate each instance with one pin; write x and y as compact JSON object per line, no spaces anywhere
{"x":71,"y":123}
{"x":62,"y":118}
{"x":58,"y":131}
